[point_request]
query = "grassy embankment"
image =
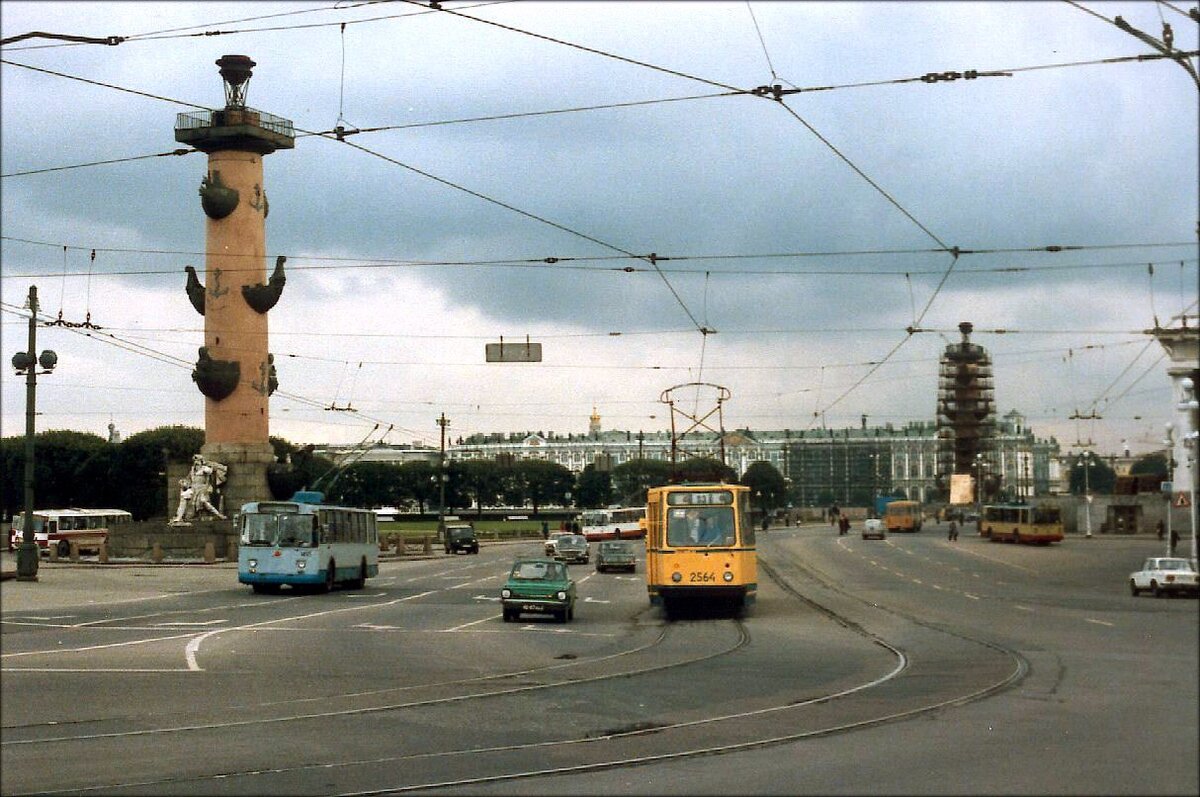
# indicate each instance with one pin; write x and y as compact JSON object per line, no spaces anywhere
{"x":416,"y":530}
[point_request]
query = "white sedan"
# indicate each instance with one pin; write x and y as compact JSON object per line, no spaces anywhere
{"x":1162,"y":575}
{"x":873,"y":527}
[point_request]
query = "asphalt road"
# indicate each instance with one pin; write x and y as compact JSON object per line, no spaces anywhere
{"x":910,"y":665}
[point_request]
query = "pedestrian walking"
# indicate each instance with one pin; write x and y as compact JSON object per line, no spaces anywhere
{"x":1159,"y":528}
{"x":953,"y":534}
{"x":843,"y":525}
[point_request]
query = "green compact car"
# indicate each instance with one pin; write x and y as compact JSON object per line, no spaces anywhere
{"x":615,"y":554}
{"x":538,"y":586}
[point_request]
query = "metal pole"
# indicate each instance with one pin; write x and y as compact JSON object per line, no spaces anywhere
{"x":27,"y":551}
{"x":442,"y":422}
{"x":1087,"y":493}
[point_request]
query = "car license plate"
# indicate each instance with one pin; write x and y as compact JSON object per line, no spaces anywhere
{"x":533,"y":607}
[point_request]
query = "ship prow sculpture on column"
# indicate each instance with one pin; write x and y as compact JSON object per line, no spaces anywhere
{"x":235,"y":371}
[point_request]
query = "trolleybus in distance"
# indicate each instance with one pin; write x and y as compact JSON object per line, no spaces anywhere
{"x":87,"y":528}
{"x":613,"y":523}
{"x":1021,"y":523}
{"x":700,"y":546}
{"x":902,"y":516}
{"x":306,"y":543}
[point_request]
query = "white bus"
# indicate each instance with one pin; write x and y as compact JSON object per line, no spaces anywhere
{"x":305,"y":543}
{"x":613,"y":523}
{"x":88,"y":528}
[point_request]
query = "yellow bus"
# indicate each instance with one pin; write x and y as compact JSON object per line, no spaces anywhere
{"x":700,"y":546}
{"x":902,"y":516}
{"x":1021,"y":523}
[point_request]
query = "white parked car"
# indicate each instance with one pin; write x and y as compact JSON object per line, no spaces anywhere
{"x":873,"y":527}
{"x":1163,"y":575}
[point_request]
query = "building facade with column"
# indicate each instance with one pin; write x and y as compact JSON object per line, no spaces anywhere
{"x":847,"y":466}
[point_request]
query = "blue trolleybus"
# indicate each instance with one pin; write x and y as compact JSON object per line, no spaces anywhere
{"x":306,"y":543}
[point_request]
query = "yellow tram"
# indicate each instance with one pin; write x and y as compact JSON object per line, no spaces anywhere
{"x":700,"y":546}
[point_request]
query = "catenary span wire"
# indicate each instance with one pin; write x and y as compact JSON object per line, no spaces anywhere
{"x":517,"y":115}
{"x":806,"y":124}
{"x":163,"y":357}
{"x":761,"y":41}
{"x":573,"y":263}
{"x":208,"y":33}
{"x":533,"y":216}
{"x":1180,"y":11}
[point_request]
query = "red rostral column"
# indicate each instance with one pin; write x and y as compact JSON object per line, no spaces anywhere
{"x":234,"y":370}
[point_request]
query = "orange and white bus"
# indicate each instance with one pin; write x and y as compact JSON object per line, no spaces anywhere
{"x":902,"y":516}
{"x":613,"y":523}
{"x":60,"y":527}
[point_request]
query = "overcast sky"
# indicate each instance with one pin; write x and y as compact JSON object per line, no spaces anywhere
{"x":534,"y":154}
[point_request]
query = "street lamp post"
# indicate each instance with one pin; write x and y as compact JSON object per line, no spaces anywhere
{"x":26,"y":362}
{"x":979,"y":490}
{"x":1191,"y":441}
{"x":1087,"y":494}
{"x":1169,"y":485}
{"x":442,"y":477}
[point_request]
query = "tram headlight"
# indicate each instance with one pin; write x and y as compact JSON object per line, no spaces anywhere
{"x":506,"y":593}
{"x":677,"y":576}
{"x":727,"y":575}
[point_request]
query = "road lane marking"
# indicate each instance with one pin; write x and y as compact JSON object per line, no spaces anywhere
{"x":193,"y":623}
{"x":1098,"y":622}
{"x":193,"y":647}
{"x":487,"y":619}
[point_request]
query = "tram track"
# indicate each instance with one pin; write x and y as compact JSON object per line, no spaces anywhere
{"x":634,"y":745}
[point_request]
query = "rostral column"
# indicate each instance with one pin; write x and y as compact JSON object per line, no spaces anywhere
{"x":235,"y":371}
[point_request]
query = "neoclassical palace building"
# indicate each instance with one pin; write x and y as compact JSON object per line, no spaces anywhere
{"x":847,"y":466}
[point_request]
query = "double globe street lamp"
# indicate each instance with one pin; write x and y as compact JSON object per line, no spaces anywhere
{"x":27,"y":364}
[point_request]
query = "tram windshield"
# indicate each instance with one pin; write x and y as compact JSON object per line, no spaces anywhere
{"x":700,"y":526}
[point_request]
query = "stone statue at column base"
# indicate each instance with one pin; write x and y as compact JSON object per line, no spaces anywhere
{"x":197,"y":489}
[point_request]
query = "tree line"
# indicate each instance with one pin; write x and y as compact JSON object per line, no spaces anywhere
{"x":80,"y":469}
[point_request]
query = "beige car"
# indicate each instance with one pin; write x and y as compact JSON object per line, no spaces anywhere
{"x":552,"y":542}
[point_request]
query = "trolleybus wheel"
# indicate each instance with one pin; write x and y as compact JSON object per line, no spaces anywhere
{"x":361,"y":581}
{"x":64,"y":549}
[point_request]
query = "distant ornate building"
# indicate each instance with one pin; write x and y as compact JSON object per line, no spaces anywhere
{"x":845,"y":466}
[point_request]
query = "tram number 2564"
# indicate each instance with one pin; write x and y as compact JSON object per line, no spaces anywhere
{"x":701,"y":578}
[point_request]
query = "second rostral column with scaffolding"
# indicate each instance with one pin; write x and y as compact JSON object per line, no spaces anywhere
{"x":235,"y":370}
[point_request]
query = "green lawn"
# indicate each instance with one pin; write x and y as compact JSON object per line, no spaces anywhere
{"x":415,"y":530}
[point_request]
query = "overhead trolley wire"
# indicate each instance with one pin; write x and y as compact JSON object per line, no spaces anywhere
{"x":651,"y":258}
